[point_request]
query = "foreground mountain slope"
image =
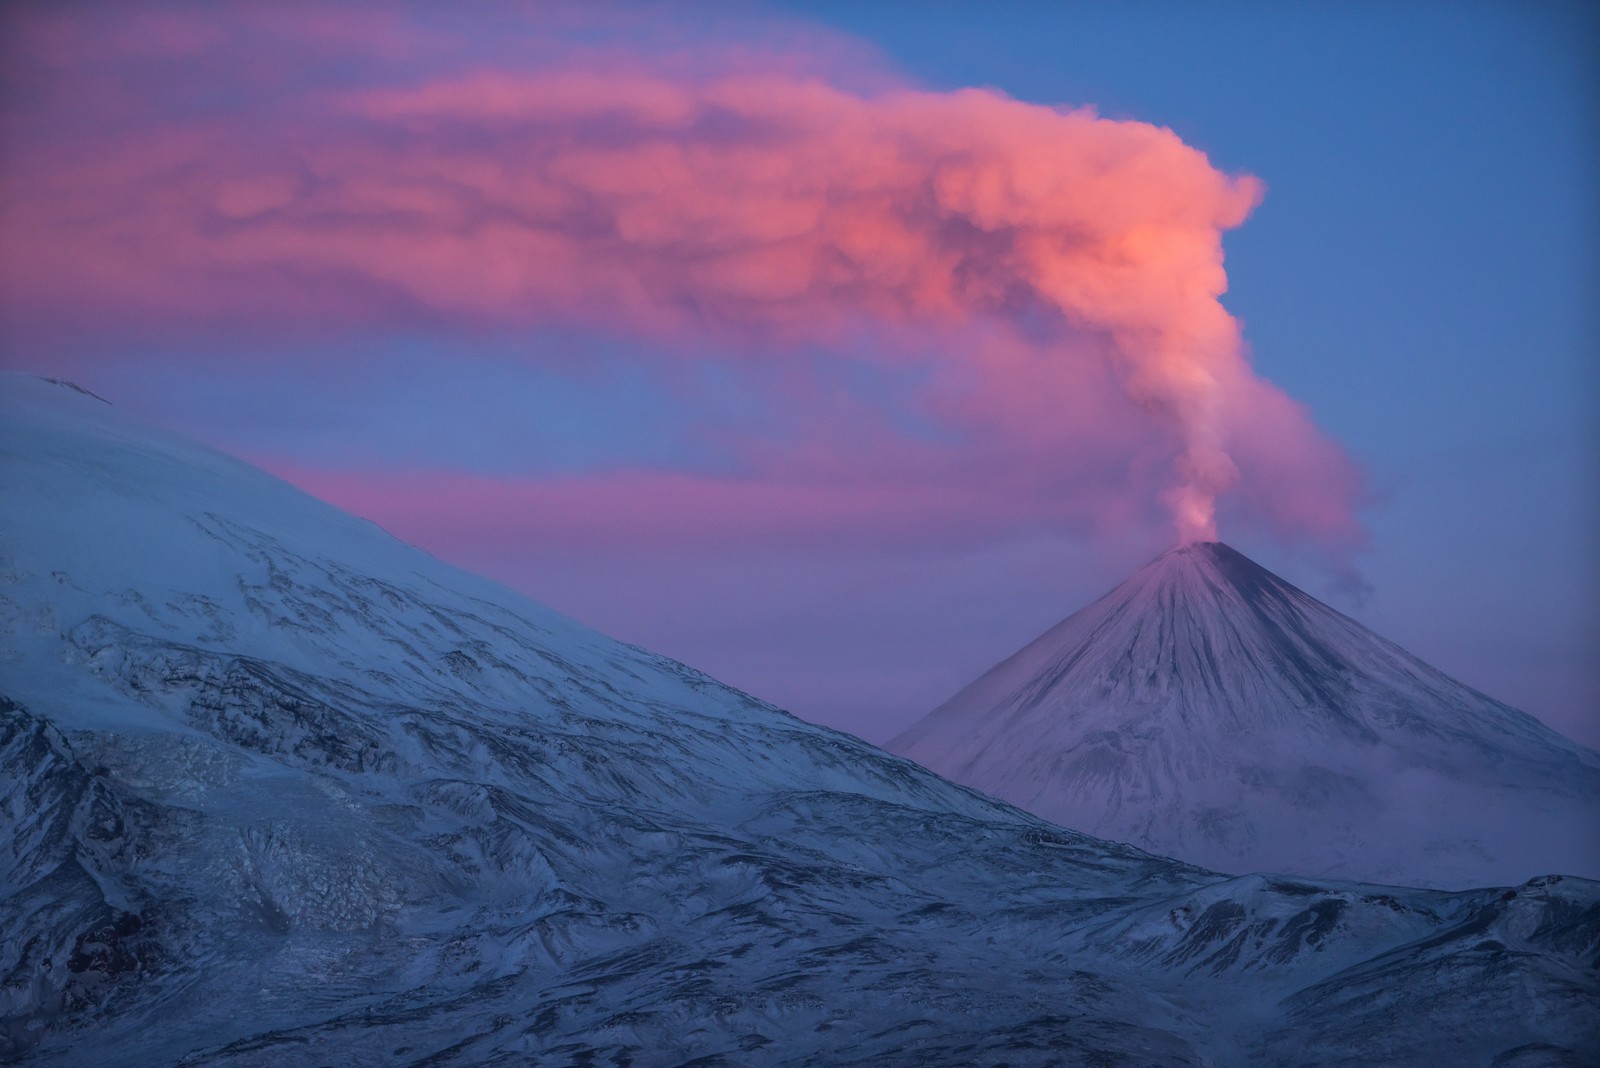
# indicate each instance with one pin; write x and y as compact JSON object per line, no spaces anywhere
{"x":1208,"y":710}
{"x":276,"y":788}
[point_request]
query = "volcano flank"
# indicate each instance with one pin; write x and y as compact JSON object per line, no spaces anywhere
{"x":1207,"y":709}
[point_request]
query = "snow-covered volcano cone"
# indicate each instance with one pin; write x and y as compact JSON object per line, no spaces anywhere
{"x":1208,"y":710}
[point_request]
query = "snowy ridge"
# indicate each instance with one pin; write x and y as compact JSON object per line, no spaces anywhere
{"x":276,"y":788}
{"x":1208,"y":710}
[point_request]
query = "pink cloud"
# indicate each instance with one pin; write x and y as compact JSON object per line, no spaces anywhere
{"x":1054,"y":275}
{"x":459,"y":513}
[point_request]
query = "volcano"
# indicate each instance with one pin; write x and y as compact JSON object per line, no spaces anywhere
{"x":276,"y":788}
{"x":1208,"y":710}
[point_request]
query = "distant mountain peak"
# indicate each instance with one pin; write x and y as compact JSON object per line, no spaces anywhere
{"x":1217,"y":559}
{"x":1200,"y":547}
{"x":1209,"y":564}
{"x":1206,"y":708}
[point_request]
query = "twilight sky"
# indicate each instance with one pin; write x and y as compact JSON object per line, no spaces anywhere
{"x":839,"y":349}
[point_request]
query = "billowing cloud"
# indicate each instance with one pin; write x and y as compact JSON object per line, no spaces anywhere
{"x":1047,"y":280}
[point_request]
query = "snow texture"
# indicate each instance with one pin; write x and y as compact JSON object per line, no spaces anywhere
{"x":278,"y":789}
{"x":1208,"y":710}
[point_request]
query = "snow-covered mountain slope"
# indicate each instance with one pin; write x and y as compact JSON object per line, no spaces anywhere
{"x":1208,"y":710}
{"x":277,"y":789}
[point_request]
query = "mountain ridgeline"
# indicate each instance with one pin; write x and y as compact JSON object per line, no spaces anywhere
{"x":1205,"y":709}
{"x":278,"y":789}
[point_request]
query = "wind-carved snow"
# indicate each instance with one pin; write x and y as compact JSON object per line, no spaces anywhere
{"x":1206,"y":709}
{"x":276,"y":788}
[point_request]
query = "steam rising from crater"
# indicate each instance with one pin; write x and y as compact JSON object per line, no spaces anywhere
{"x":1048,"y":278}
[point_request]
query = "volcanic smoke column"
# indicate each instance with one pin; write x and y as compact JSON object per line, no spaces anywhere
{"x":1051,"y":277}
